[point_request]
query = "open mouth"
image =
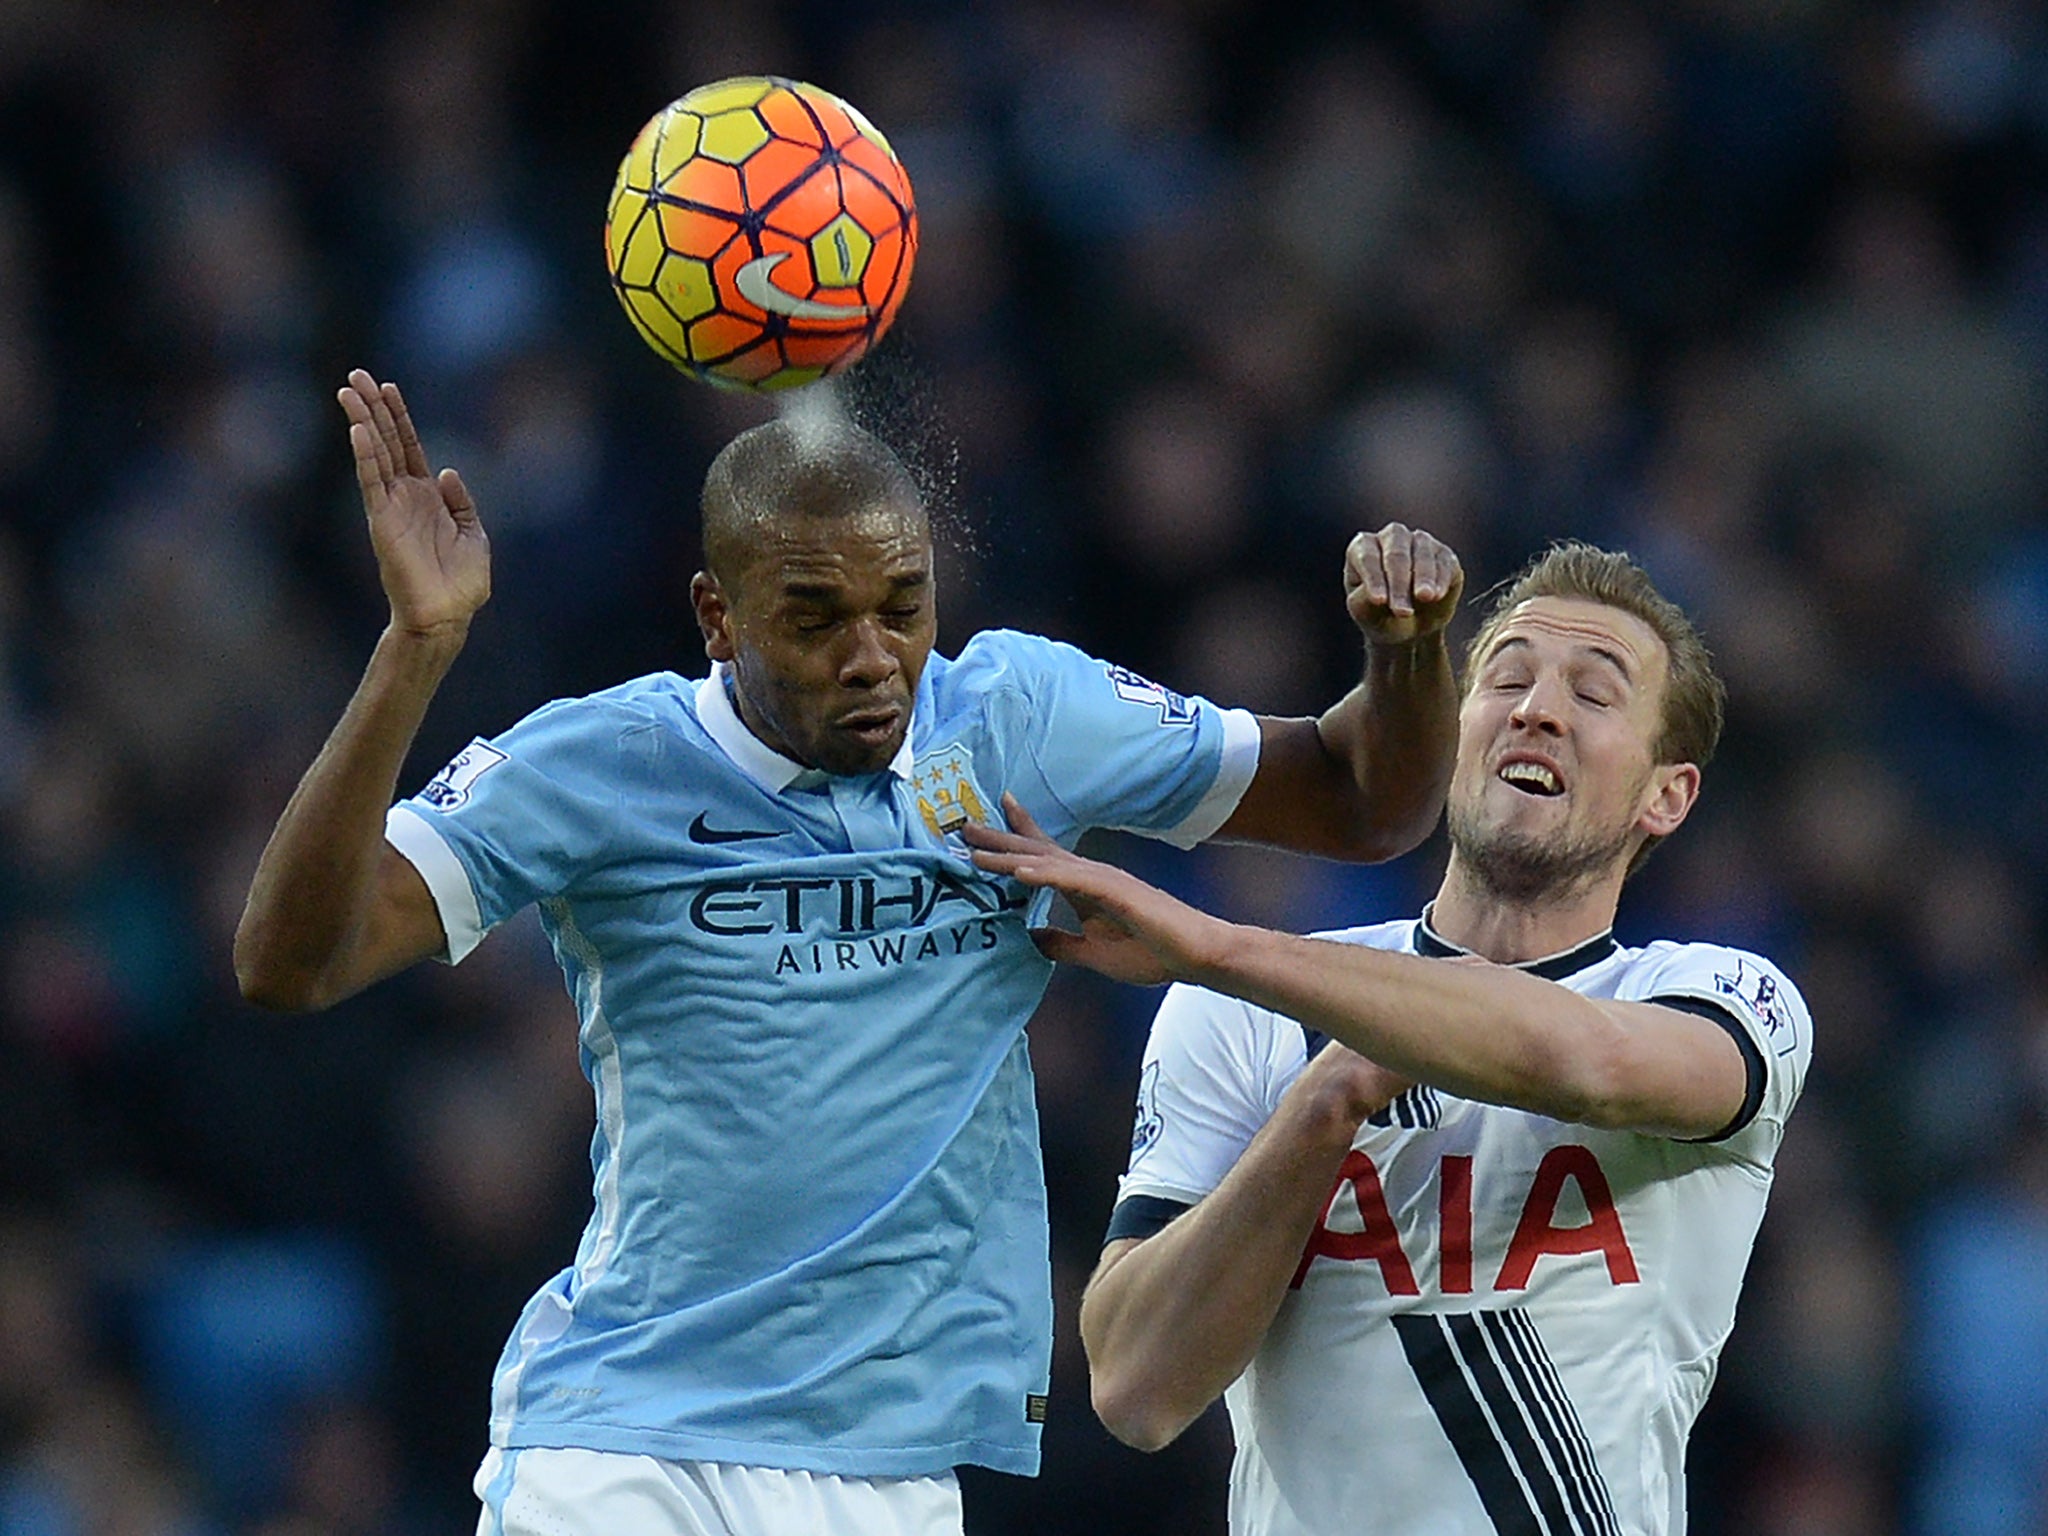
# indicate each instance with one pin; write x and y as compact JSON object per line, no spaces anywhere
{"x":1532,"y":778}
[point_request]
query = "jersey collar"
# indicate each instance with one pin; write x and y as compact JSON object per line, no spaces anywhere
{"x":1555,"y":967}
{"x":753,"y":756}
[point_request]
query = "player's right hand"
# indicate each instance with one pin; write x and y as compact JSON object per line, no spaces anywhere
{"x":1401,"y":584}
{"x":432,"y":554}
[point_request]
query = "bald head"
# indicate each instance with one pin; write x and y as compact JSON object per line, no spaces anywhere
{"x":818,"y":591}
{"x":803,"y":471}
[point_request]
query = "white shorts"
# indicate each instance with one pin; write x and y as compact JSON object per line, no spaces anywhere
{"x":567,"y":1492}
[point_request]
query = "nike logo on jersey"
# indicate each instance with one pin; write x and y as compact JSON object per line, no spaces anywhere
{"x":754,"y":286}
{"x":702,"y":832}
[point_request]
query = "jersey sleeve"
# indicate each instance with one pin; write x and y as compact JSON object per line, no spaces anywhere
{"x":1760,"y":1002}
{"x":511,"y":820}
{"x":1118,"y":751}
{"x":1206,"y":1086}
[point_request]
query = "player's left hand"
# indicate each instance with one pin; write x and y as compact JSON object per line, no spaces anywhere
{"x":1401,"y":584}
{"x":1347,"y":1086}
{"x":1130,"y":931}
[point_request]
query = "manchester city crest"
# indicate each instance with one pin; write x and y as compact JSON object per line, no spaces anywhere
{"x":947,"y":797}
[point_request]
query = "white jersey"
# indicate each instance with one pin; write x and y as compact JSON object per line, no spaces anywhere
{"x":1503,"y":1322}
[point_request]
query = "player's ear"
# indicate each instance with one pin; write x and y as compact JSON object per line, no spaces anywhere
{"x":714,"y":615}
{"x":1673,"y":790}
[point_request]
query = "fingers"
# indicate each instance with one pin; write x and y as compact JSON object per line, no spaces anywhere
{"x":995,"y":840}
{"x":370,"y":474}
{"x":1396,"y":545}
{"x":375,"y":466}
{"x":374,"y":396}
{"x":1004,"y":853}
{"x":1399,"y":574}
{"x":1020,"y":820}
{"x":454,"y":494}
{"x":380,"y":409}
{"x":997,"y":851}
{"x":1033,"y":861}
{"x":1382,"y":565}
{"x":1025,"y":868}
{"x":1025,"y":835}
{"x":1365,"y":570}
{"x":1438,"y":574}
{"x":414,"y":456}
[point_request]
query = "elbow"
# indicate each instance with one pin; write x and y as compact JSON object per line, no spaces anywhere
{"x":1392,"y":818}
{"x":278,"y":994}
{"x":1407,"y":821}
{"x":1391,"y":840}
{"x":1378,"y":835}
{"x":1139,"y":1418}
{"x":267,"y":984}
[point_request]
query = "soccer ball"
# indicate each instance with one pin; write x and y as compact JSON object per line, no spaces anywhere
{"x":761,"y":233}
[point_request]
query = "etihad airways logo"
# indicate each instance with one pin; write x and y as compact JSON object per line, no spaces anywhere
{"x":859,"y":922}
{"x":855,"y":904}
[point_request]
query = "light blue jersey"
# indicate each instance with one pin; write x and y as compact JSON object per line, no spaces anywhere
{"x":819,"y":1236}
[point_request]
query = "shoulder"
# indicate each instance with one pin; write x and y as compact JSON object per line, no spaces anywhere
{"x":653,"y":699}
{"x":645,"y":697}
{"x":1017,"y":681}
{"x":1210,"y":1048}
{"x":1189,"y":1011}
{"x":1389,"y":935}
{"x":1716,"y":967}
{"x":993,"y":657}
{"x":646,"y":710}
{"x":1743,"y":983}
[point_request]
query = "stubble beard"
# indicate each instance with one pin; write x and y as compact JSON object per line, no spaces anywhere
{"x":1528,"y":869}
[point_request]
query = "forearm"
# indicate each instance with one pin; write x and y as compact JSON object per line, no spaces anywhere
{"x":1480,"y":1032}
{"x":312,"y":894}
{"x":1394,"y":737}
{"x":1173,"y":1321}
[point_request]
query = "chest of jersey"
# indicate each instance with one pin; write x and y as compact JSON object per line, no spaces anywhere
{"x":1479,"y":1201}
{"x":848,"y":877}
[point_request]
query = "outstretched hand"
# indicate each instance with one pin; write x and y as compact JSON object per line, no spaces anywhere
{"x":432,"y":554}
{"x":1130,"y":931}
{"x":1401,"y":584}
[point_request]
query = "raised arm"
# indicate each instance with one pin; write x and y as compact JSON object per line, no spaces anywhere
{"x":1484,"y":1032}
{"x":1366,"y":780}
{"x":333,"y":907}
{"x":1169,"y":1321}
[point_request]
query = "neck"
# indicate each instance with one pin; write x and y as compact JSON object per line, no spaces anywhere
{"x":1510,"y":932}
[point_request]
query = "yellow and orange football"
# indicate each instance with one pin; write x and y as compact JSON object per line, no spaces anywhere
{"x":761,"y":233}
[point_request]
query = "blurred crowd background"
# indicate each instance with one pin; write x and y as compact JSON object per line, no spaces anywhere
{"x":1756,"y":289}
